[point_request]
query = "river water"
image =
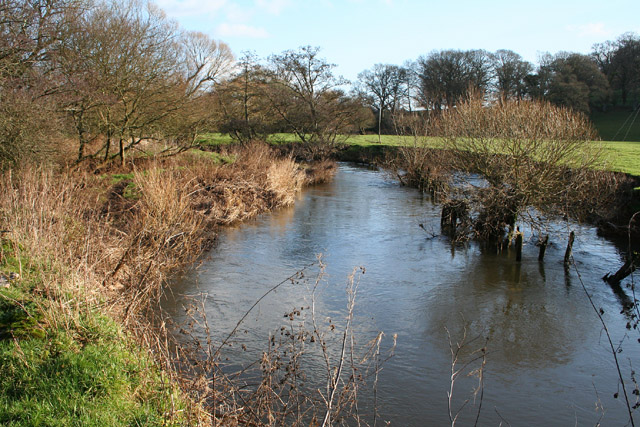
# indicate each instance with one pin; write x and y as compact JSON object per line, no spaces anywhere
{"x":548,"y":360}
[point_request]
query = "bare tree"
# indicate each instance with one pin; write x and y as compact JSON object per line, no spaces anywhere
{"x":385,"y":89}
{"x":30,"y":31}
{"x":620,"y":62}
{"x":129,"y":72}
{"x":447,"y":76}
{"x":528,"y":154}
{"x":510,"y":74}
{"x":243,"y":109}
{"x":305,"y":94}
{"x":574,"y":81}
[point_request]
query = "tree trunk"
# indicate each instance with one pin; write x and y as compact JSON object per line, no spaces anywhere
{"x":81,"y":140}
{"x":107,"y":147}
{"x":81,"y":150}
{"x":379,"y":125}
{"x":121,"y":151}
{"x":568,"y":252}
{"x":519,"y":238}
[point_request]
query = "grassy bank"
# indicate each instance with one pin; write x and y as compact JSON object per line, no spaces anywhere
{"x":621,"y":156}
{"x":73,"y":365}
{"x":85,"y":256}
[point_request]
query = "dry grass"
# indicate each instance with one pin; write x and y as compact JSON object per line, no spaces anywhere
{"x":97,"y":247}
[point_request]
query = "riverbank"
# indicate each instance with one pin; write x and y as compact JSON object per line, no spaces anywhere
{"x":83,"y":259}
{"x":621,"y":156}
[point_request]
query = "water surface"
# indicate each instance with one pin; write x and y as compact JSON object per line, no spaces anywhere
{"x":548,"y":360}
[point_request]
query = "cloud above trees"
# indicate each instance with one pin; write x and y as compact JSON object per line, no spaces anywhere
{"x":591,"y":29}
{"x":236,"y":19}
{"x":227,"y":29}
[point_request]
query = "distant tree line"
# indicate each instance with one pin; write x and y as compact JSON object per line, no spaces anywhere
{"x":100,"y":78}
{"x":297,"y":91}
{"x":607,"y":78}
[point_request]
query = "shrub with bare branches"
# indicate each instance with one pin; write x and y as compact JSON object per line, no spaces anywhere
{"x":416,"y":162}
{"x":517,"y":155}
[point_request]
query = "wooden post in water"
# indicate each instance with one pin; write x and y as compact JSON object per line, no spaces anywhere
{"x":567,"y":254}
{"x":519,"y":237}
{"x":543,"y":247}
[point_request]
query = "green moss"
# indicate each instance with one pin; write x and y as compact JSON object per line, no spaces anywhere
{"x":82,"y":371}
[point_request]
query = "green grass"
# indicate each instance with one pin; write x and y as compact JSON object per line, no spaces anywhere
{"x":85,"y":371}
{"x":622,"y":156}
{"x":212,"y":138}
{"x":615,"y":125}
{"x":213,"y":156}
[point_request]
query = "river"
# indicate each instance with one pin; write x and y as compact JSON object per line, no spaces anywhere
{"x":548,"y":360}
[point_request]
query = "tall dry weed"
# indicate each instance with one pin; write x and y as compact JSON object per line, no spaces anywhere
{"x":285,"y":180}
{"x":47,"y":216}
{"x":110,"y":247}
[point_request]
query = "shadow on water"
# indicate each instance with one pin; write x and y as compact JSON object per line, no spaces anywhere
{"x":547,"y":363}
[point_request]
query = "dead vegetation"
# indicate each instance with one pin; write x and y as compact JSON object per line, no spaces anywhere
{"x":109,"y":246}
{"x":312,"y":370}
{"x":510,"y":161}
{"x":416,"y":162}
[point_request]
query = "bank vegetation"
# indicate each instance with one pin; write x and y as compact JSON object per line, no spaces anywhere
{"x":84,"y":259}
{"x":507,"y":162}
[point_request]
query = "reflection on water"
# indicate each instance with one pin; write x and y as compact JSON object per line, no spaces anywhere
{"x":548,"y":362}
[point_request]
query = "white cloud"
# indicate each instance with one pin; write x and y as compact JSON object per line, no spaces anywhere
{"x":237,"y":13}
{"x":241,"y":30}
{"x":594,"y":29}
{"x":190,"y":8}
{"x":274,"y":7}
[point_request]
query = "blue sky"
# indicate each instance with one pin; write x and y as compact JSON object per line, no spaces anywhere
{"x":356,"y":34}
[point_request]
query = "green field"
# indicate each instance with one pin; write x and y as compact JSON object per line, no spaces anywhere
{"x":617,"y":125}
{"x":621,"y":156}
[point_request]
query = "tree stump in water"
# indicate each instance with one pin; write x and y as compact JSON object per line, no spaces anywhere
{"x":453,"y":211}
{"x":519,"y":238}
{"x":569,"y":251}
{"x":624,"y":271}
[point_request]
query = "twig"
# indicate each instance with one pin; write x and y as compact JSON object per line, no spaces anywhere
{"x":352,"y":290}
{"x":614,"y":352}
{"x":288,"y":279}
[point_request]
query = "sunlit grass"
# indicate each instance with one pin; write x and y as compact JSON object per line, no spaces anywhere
{"x":621,"y":156}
